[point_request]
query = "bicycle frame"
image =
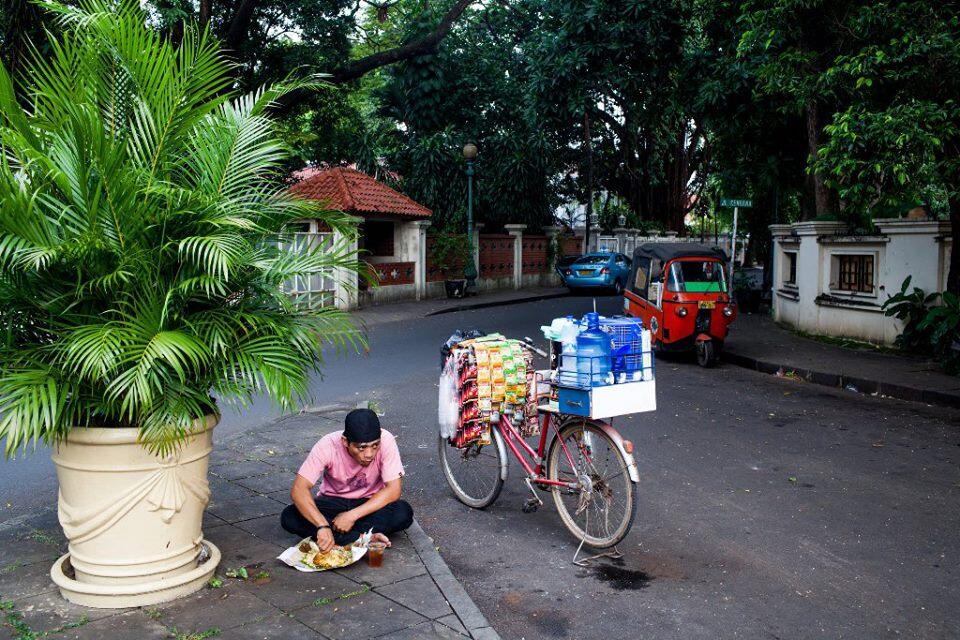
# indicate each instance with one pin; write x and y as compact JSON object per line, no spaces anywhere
{"x":521,"y":450}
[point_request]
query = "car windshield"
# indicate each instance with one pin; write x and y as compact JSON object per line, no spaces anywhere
{"x":593,"y":260}
{"x":692,"y":276}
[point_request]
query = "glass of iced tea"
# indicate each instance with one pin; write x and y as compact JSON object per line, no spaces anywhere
{"x":375,"y":553}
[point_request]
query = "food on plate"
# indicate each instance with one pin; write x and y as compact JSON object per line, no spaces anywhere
{"x":335,"y":557}
{"x":308,"y":546}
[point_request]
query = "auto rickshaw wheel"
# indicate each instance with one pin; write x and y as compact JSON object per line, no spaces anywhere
{"x":706,"y":353}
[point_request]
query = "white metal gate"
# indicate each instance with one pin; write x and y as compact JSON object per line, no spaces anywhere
{"x":608,"y":244}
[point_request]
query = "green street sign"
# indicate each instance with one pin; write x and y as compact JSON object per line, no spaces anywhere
{"x":727,"y":202}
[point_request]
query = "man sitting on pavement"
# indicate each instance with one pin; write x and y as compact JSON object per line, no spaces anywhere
{"x":361,"y":476}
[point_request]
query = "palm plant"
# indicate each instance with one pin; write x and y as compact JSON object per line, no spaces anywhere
{"x":142,"y":225}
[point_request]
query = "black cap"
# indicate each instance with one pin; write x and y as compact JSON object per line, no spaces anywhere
{"x":361,"y":425}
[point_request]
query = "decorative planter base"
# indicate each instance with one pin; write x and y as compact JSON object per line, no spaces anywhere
{"x":112,"y":596}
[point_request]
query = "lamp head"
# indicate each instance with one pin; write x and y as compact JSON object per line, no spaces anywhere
{"x":470,"y":151}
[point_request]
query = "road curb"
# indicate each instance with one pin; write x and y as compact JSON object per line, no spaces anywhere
{"x":460,"y":601}
{"x":496,"y":303}
{"x":840,"y":381}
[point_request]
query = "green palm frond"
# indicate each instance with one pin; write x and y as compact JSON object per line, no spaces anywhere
{"x":143,"y":237}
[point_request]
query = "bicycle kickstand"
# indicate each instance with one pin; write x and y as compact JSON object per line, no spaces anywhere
{"x":531,"y":504}
{"x":614,"y":554}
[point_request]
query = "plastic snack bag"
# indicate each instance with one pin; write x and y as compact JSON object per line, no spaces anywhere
{"x":448,"y":406}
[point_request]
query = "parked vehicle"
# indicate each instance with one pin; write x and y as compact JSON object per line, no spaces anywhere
{"x":564,"y":262}
{"x":598,"y":270}
{"x":680,"y":292}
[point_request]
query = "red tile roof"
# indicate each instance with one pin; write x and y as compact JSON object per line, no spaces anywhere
{"x":353,"y":191}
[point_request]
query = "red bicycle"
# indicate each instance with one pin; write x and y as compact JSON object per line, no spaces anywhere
{"x":588,"y":468}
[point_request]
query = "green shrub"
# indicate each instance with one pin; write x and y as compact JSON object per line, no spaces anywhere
{"x":142,"y":220}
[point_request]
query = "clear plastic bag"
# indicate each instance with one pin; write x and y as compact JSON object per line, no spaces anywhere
{"x":448,"y":404}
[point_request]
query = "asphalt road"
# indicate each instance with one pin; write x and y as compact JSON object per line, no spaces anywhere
{"x":768,"y":508}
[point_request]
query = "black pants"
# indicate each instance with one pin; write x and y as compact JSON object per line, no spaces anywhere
{"x":394,"y":517}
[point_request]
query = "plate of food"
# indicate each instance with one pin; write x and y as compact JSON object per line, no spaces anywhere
{"x":306,"y":555}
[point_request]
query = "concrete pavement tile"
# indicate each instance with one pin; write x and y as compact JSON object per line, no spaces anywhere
{"x":224,"y":608}
{"x":425,"y":631}
{"x":274,"y":481}
{"x":279,"y":627}
{"x":211,"y":521}
{"x":222,"y":491}
{"x":288,"y":461}
{"x":224,"y":455}
{"x":399,"y":563}
{"x":18,"y":581}
{"x":420,"y":594}
{"x":365,"y":615}
{"x":485,"y":633}
{"x":268,"y":529}
{"x":49,"y":611}
{"x":240,"y":548}
{"x":134,"y":624}
{"x":236,"y":470}
{"x":26,"y":546}
{"x":289,"y":589}
{"x":282,"y":497}
{"x":247,"y":509}
{"x":454,"y":623}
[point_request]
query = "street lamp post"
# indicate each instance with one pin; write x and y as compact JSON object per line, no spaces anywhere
{"x":470,"y":269}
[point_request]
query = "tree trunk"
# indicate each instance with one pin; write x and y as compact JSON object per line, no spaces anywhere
{"x":204,"y":13}
{"x":823,"y":202}
{"x":239,"y":25}
{"x":953,"y":277}
{"x":588,"y":173}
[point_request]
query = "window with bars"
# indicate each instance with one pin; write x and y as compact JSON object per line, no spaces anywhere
{"x":790,"y":268}
{"x":855,"y":273}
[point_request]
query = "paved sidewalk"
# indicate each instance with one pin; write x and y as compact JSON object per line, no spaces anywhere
{"x":397,"y":311}
{"x":756,"y":342}
{"x":412,"y":596}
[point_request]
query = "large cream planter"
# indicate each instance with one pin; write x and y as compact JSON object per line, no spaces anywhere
{"x":133,"y":519}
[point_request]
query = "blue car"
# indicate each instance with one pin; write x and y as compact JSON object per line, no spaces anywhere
{"x":598,"y":270}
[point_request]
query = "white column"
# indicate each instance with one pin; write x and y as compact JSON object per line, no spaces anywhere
{"x":347,"y":295}
{"x":420,"y":258}
{"x":621,"y":235}
{"x":552,"y":232}
{"x":477,"y":228}
{"x":516,"y":230}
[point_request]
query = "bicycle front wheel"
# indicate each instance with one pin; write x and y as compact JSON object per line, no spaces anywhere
{"x":600,"y":504}
{"x":475,"y":473}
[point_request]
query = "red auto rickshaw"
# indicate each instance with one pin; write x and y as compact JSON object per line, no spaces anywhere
{"x":680,"y":292}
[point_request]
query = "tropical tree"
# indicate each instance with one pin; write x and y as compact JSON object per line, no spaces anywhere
{"x":142,"y":220}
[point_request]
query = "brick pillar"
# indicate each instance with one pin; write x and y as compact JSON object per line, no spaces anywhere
{"x":420,"y":259}
{"x":516,"y":230}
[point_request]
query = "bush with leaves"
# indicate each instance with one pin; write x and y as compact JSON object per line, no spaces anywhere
{"x":928,"y":327}
{"x":911,"y":309}
{"x":142,"y":220}
{"x":451,"y":251}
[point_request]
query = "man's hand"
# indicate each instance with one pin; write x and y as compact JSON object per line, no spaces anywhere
{"x":344,"y":522}
{"x":325,"y":539}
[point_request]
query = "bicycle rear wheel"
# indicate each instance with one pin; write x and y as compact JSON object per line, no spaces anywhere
{"x":476,"y":473}
{"x":601,"y":510}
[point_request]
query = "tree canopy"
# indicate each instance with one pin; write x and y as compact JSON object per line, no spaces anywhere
{"x":845,"y":109}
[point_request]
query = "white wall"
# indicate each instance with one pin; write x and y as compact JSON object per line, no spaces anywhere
{"x":816,"y":303}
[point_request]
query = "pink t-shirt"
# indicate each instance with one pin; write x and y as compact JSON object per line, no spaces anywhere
{"x":343,"y":476}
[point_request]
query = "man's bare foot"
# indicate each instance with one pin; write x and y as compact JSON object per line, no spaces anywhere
{"x":379,"y":537}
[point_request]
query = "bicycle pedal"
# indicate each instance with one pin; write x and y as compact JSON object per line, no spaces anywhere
{"x":530,"y":506}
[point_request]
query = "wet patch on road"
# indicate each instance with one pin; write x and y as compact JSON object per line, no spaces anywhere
{"x":621,"y":578}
